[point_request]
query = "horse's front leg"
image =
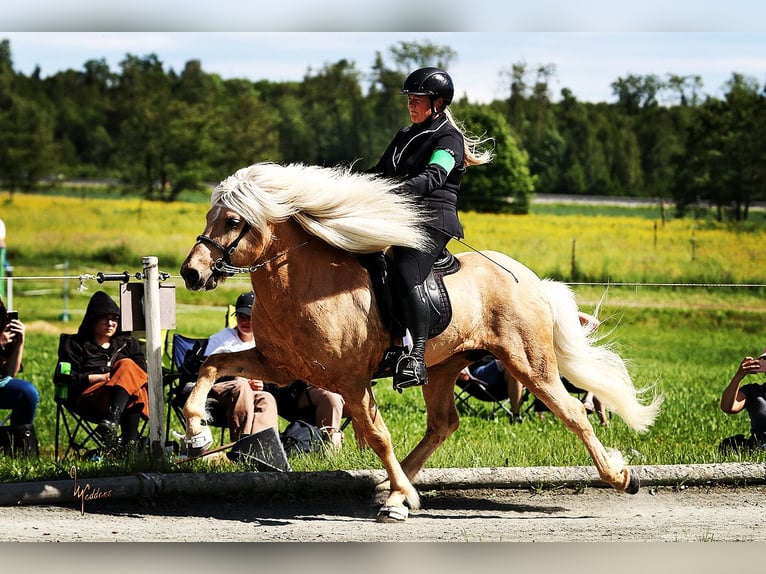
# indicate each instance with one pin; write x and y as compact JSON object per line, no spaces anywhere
{"x":247,"y":363}
{"x":441,"y":413}
{"x":199,"y":438}
{"x":442,"y":419}
{"x":368,"y":423}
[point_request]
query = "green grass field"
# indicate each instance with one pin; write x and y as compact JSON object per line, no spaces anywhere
{"x":682,"y":334}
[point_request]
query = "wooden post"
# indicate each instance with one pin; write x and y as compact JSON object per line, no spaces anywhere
{"x":154,"y":356}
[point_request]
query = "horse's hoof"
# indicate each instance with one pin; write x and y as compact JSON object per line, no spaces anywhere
{"x":634,"y":483}
{"x":393,"y":514}
{"x":200,"y":442}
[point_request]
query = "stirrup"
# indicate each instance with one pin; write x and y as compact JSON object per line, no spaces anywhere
{"x":410,"y":371}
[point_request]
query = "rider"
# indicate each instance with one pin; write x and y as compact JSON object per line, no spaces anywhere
{"x":430,"y":157}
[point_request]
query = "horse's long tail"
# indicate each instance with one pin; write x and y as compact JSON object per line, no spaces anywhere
{"x":595,"y":366}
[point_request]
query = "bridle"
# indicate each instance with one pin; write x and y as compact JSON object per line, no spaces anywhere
{"x":223,"y":264}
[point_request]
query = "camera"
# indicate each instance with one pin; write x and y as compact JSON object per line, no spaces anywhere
{"x":762,"y":367}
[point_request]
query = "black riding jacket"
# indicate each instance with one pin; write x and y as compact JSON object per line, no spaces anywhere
{"x":407,"y":158}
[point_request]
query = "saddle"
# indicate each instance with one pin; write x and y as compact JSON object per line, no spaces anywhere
{"x":377,"y":265}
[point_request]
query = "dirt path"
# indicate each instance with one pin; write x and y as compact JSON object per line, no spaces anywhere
{"x":660,"y":514}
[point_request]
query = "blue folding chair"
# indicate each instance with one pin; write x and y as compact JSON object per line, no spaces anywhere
{"x":486,"y":383}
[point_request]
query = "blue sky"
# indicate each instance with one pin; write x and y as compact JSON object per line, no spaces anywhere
{"x":585,"y":62}
{"x":590,"y":43}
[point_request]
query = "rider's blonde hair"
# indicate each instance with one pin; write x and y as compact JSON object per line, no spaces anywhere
{"x":472,"y":145}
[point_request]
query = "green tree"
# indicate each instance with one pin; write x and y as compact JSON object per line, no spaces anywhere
{"x":334,"y":106}
{"x":505,"y":184}
{"x":144,"y":108}
{"x":27,"y":152}
{"x":82,"y":101}
{"x":245,"y":128}
{"x":412,"y":55}
{"x":725,"y":155}
{"x":584,"y":166}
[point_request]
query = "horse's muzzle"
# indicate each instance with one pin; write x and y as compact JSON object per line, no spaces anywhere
{"x":196,"y":281}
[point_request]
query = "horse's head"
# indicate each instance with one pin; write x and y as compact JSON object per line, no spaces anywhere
{"x":358,"y":213}
{"x":229,"y":244}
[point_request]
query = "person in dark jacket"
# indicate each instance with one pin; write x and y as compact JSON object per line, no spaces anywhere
{"x":751,"y":397}
{"x":21,"y":396}
{"x":107,"y":371}
{"x":430,"y":157}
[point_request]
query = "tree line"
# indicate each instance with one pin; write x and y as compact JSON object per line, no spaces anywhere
{"x":163,"y":132}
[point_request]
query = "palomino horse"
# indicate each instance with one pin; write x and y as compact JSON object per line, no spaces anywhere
{"x":298,"y":230}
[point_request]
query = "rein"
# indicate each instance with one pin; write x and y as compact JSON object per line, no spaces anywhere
{"x":223,"y":264}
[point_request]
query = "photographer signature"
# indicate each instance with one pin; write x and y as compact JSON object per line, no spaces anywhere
{"x":86,"y":491}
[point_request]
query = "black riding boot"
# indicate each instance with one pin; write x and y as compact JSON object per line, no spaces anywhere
{"x":107,"y":427}
{"x":411,"y":369}
{"x":25,"y":441}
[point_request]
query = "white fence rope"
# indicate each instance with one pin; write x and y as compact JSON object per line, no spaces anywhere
{"x":82,"y":278}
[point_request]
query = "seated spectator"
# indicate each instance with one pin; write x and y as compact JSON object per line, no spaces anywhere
{"x":108,"y":372}
{"x":18,"y":395}
{"x":320,"y":407}
{"x":750,"y":397}
{"x":249,"y":408}
{"x":499,"y":382}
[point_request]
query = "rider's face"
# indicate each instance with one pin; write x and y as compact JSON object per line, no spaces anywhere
{"x":419,"y":108}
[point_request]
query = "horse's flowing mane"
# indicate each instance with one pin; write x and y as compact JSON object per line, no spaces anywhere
{"x":355,"y":212}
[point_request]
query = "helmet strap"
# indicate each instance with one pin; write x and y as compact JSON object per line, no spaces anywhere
{"x":434,"y":110}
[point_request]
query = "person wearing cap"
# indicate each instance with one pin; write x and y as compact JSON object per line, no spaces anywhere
{"x":108,"y":372}
{"x":429,"y":157}
{"x":249,"y":408}
{"x":750,"y":397}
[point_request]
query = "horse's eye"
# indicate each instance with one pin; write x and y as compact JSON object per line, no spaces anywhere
{"x":233,"y":222}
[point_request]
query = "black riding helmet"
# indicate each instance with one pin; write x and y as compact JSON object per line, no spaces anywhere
{"x":430,"y":81}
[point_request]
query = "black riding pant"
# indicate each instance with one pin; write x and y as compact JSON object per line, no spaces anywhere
{"x":412,"y":266}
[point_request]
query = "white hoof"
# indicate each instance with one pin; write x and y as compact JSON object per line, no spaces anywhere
{"x":393,"y":514}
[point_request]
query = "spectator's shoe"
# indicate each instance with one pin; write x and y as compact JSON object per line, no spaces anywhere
{"x":107,"y":431}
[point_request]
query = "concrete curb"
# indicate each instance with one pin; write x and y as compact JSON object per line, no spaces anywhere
{"x":188,"y":485}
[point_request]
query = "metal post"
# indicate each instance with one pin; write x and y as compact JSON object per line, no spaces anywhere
{"x":154,"y":356}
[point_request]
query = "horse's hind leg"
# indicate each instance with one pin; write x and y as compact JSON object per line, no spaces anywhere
{"x":572,"y":413}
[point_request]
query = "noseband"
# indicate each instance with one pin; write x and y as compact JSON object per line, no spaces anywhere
{"x":223,"y":265}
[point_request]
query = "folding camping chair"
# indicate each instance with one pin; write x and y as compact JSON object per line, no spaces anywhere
{"x":490,"y":388}
{"x":79,"y":427}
